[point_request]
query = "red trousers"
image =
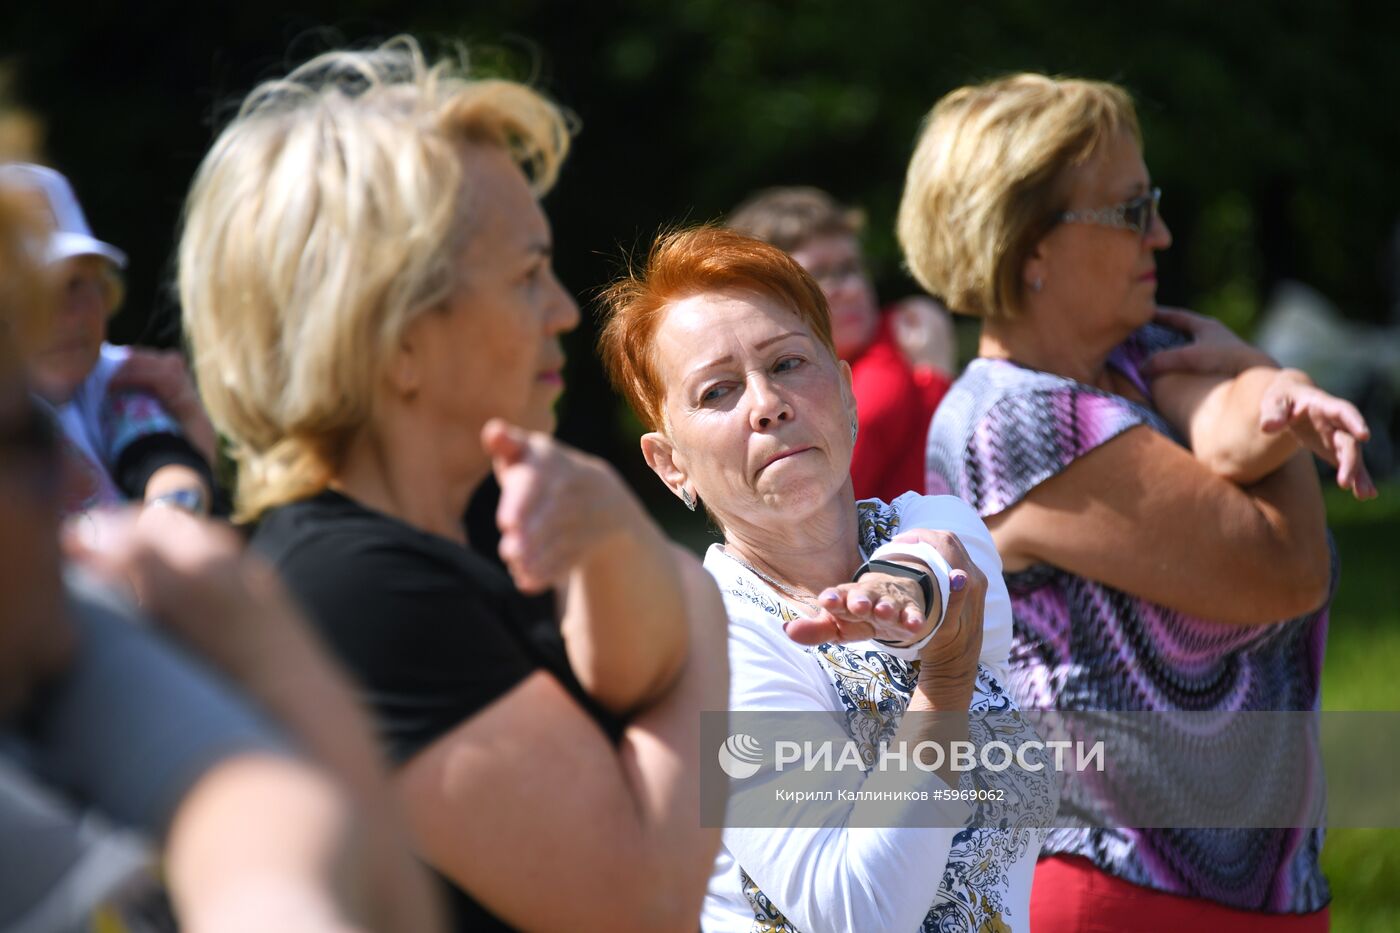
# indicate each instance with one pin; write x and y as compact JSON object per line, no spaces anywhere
{"x":1070,"y":895}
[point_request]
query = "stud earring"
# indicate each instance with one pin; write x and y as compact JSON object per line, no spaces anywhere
{"x":1037,"y":284}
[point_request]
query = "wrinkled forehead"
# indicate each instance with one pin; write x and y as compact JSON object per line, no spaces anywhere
{"x":709,"y":327}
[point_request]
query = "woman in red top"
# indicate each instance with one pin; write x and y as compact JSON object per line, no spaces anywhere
{"x":895,"y":401}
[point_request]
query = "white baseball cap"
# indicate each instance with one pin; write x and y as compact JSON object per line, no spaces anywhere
{"x":70,"y":234}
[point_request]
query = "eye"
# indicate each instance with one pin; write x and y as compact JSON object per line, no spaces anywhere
{"x":788,"y":364}
{"x":713,"y":393}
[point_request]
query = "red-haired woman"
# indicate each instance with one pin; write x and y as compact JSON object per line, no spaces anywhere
{"x":722,"y":344}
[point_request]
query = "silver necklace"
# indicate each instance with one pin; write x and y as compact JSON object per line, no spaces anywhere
{"x":780,"y":587}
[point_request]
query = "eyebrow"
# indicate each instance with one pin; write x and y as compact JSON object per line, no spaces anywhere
{"x":762,"y":344}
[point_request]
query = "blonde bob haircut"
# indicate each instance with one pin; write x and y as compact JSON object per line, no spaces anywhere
{"x":320,"y":224}
{"x":990,"y":172}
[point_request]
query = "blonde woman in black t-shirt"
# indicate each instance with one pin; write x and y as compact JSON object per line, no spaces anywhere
{"x":366,"y":281}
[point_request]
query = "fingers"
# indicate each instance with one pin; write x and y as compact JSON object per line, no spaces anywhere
{"x":505,"y":443}
{"x":161,"y":372}
{"x":1345,"y":414}
{"x":1363,"y":487}
{"x":957,"y":599}
{"x":877,"y":611}
{"x":1275,"y":410}
{"x":1181,"y":319}
{"x":813,"y":632}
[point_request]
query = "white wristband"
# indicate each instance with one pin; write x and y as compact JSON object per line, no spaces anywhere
{"x":940,"y":570}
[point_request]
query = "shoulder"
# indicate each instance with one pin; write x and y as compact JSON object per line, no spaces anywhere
{"x":431,"y":632}
{"x":1007,"y":429}
{"x":369,"y":580}
{"x":949,"y":510}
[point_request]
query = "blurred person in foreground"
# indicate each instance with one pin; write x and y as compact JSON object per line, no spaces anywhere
{"x":135,"y":431}
{"x":896,"y":395}
{"x":1159,"y":518}
{"x":114,"y":741}
{"x":367,"y":286}
{"x":723,"y":346}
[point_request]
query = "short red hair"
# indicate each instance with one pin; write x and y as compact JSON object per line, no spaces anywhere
{"x":681,"y":264}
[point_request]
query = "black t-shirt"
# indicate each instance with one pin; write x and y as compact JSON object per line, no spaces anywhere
{"x":433,"y":632}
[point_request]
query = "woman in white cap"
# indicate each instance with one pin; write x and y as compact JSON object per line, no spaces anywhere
{"x":131,"y":439}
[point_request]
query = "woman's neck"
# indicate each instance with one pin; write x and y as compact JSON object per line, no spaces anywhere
{"x":821,"y":550}
{"x":1041,"y":343}
{"x":405,"y":473}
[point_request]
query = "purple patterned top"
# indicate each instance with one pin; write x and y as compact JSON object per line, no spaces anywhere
{"x":1081,"y":645}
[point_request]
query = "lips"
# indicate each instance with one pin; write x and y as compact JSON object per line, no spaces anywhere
{"x":782,"y":456}
{"x":552,"y":373}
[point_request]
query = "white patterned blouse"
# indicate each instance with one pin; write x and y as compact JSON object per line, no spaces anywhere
{"x":845,"y":878}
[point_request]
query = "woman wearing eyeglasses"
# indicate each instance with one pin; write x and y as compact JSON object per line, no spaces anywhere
{"x":1159,"y":517}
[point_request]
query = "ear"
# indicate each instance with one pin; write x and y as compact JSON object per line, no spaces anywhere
{"x":403,"y":372}
{"x":665,"y":461}
{"x":1036,"y":268}
{"x":848,"y":393}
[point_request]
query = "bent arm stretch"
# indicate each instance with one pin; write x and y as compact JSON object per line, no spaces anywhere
{"x":624,"y":612}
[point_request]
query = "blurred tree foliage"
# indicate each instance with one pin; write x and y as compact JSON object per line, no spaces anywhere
{"x":1270,"y":124}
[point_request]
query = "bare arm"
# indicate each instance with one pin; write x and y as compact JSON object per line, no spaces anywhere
{"x":1243,"y":416}
{"x":256,"y":844}
{"x":613,"y":834}
{"x":1143,"y":515}
{"x":231,"y":609}
{"x":567,"y":520}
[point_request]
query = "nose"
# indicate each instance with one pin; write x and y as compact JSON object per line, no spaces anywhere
{"x":767,"y":405}
{"x":564,"y":309}
{"x":1159,"y":235}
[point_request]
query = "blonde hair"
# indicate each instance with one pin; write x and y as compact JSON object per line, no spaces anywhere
{"x":320,"y":224}
{"x":988,"y":175}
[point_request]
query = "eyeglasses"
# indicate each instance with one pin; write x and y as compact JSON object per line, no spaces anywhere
{"x":1136,"y":215}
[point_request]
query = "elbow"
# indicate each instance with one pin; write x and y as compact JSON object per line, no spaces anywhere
{"x":1310,"y":582}
{"x":1230,"y":465}
{"x":1299,"y":582}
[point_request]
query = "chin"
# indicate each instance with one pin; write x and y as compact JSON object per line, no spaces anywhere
{"x":545,"y":422}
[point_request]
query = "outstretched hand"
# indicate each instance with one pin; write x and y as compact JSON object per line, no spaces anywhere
{"x":881,"y":606}
{"x":848,"y":612}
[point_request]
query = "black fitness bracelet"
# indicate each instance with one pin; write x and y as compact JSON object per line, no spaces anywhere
{"x":899,"y":570}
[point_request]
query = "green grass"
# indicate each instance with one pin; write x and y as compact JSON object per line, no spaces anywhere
{"x":1362,"y":671}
